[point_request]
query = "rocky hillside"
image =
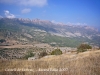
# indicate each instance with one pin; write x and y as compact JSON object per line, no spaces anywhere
{"x":26,"y":31}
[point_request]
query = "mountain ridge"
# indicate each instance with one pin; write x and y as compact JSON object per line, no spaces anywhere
{"x":41,"y":30}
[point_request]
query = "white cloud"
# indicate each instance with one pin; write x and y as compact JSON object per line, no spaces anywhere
{"x":26,"y":10}
{"x":38,"y":3}
{"x":33,"y":2}
{"x":8,"y":14}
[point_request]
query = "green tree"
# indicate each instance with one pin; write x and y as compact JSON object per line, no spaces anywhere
{"x":56,"y":52}
{"x":83,"y":48}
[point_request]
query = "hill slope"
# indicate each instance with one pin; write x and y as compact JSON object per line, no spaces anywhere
{"x":86,"y":63}
{"x":26,"y":31}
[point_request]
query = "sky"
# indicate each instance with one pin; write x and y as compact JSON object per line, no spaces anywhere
{"x":73,"y":12}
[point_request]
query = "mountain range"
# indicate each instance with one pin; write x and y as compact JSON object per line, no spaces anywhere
{"x":25,"y":31}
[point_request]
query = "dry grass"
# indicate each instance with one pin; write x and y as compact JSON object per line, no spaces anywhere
{"x":16,"y":46}
{"x":86,"y":63}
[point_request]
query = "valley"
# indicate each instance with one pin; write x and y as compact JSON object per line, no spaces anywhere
{"x":19,"y":36}
{"x":40,"y":47}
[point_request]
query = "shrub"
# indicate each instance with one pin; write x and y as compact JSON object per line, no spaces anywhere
{"x":56,"y":52}
{"x":30,"y":54}
{"x":42,"y":54}
{"x":2,"y":40}
{"x":83,"y":47}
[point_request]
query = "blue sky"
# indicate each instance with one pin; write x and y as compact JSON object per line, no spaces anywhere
{"x":75,"y":12}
